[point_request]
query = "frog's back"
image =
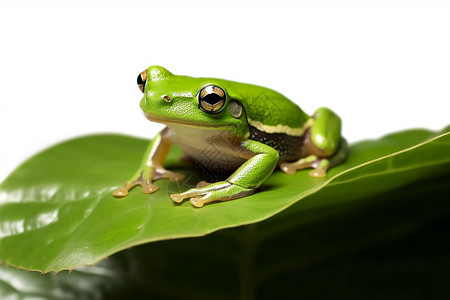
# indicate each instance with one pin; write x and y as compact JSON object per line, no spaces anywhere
{"x":269,"y":108}
{"x":273,"y":119}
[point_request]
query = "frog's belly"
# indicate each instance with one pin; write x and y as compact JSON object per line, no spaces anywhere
{"x":214,"y":159}
{"x":215,"y":149}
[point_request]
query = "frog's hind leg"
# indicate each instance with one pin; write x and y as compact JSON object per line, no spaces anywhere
{"x":320,"y":165}
{"x":325,"y":164}
{"x":323,"y":143}
{"x":291,"y":168}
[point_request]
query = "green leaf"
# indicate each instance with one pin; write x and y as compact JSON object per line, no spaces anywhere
{"x":57,"y":210}
{"x":392,"y":244}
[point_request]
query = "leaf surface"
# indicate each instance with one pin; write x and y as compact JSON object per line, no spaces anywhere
{"x":393,"y":243}
{"x":57,"y":210}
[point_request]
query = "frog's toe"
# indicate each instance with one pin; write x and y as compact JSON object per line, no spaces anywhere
{"x":220,"y":191}
{"x":124,"y":189}
{"x":192,"y":193}
{"x":188,"y":194}
{"x":209,"y":197}
{"x":177,"y":197}
{"x":288,"y":168}
{"x":197,"y":202}
{"x":303,"y":163}
{"x":149,"y":188}
{"x":318,"y":172}
{"x":120,"y":192}
{"x":199,"y":192}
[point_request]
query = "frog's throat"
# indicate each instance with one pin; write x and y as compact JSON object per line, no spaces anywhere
{"x":178,"y":122}
{"x":281,"y":128}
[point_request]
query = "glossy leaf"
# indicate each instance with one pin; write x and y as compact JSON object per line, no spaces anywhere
{"x":57,"y":210}
{"x":380,"y":246}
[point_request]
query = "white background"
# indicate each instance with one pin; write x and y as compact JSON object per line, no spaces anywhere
{"x":69,"y":68}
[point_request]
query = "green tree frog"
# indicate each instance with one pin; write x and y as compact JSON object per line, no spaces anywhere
{"x":251,"y":129}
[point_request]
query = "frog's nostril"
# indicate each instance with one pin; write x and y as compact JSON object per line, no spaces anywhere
{"x":165,"y":97}
{"x":142,"y":80}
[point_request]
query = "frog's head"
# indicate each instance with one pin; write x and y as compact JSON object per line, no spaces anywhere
{"x":198,"y":102}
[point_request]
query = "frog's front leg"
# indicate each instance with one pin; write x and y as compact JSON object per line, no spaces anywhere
{"x":244,"y":181}
{"x":151,"y":167}
{"x":324,"y":144}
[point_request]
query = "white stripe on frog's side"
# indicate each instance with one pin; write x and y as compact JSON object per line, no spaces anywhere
{"x":281,"y":128}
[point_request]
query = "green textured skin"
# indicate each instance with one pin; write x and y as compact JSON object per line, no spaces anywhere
{"x":326,"y":130}
{"x":172,"y":100}
{"x":257,"y":169}
{"x":261,"y":104}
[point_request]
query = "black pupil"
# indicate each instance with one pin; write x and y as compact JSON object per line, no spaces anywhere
{"x":212,"y":98}
{"x":139,"y":80}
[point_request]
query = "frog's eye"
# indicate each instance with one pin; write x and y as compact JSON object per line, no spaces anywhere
{"x":211,"y":99}
{"x":142,"y":80}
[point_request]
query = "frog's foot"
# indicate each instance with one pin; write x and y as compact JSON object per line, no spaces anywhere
{"x":219,"y":191}
{"x":147,"y":187}
{"x":147,"y":184}
{"x":320,"y":165}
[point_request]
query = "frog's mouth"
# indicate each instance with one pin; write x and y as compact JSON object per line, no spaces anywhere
{"x":178,"y":122}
